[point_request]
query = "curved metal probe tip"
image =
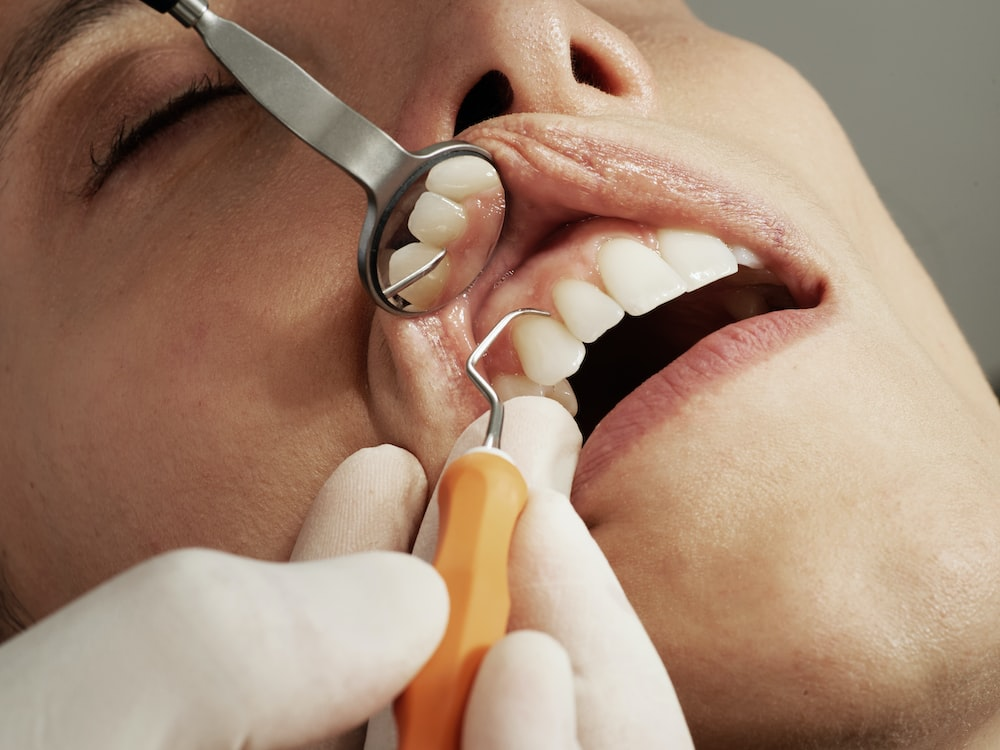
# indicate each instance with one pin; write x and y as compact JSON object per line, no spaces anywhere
{"x":495,"y":426}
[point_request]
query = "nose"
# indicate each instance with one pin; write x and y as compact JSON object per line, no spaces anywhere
{"x":479,"y":59}
{"x":463,"y":62}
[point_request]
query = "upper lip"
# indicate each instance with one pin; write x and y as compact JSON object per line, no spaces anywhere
{"x":558,"y":169}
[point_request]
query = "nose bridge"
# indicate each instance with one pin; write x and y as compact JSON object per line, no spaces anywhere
{"x":531,"y":56}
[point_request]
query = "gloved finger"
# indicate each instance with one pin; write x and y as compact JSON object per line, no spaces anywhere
{"x":202,"y":649}
{"x":562,"y":584}
{"x":538,"y":434}
{"x":544,"y":442}
{"x":374,"y":500}
{"x":522,"y":698}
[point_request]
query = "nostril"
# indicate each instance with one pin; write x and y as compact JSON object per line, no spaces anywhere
{"x":588,"y":71}
{"x":492,"y":96}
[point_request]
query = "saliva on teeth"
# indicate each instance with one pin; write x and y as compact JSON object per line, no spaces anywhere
{"x":437,"y":220}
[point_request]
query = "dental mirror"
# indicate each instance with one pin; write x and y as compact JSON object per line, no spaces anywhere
{"x":433,"y":216}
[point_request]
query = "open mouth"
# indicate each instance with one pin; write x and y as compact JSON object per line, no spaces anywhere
{"x":629,"y":308}
{"x":639,"y":347}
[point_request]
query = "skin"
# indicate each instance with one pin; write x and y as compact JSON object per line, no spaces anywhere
{"x":809,"y":534}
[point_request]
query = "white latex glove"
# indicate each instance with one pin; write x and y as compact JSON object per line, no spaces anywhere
{"x":199,"y":649}
{"x":582,"y":673}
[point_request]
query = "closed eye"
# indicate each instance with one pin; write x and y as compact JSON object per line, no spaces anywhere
{"x":129,"y":141}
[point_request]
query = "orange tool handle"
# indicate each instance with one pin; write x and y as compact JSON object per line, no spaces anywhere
{"x":480,"y":497}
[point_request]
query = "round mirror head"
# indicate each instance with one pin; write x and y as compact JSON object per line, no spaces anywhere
{"x":437,"y":234}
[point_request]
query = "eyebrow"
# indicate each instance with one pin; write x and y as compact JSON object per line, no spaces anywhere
{"x":36,"y":45}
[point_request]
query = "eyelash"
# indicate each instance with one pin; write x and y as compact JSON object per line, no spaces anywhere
{"x":129,"y":141}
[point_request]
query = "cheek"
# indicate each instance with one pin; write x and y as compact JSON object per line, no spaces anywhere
{"x":189,"y":392}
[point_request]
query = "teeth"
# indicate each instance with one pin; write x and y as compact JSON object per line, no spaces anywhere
{"x":699,"y":258}
{"x":746,"y":257}
{"x":745,"y":303}
{"x":636,"y":276}
{"x":585,"y":310}
{"x":424,"y":293}
{"x":462,"y":176}
{"x":547,"y":350}
{"x":510,"y":386}
{"x":636,"y":280}
{"x":435,"y":220}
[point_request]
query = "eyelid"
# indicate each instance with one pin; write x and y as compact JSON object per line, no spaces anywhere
{"x":128,"y":141}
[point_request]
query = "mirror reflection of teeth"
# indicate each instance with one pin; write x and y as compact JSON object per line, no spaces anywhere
{"x":460,"y":177}
{"x":436,"y":220}
{"x":422,"y":294}
{"x":636,"y":279}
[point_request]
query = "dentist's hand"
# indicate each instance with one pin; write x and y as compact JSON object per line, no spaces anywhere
{"x":199,"y":649}
{"x":581,"y":672}
{"x":204,"y":650}
{"x":614,"y":692}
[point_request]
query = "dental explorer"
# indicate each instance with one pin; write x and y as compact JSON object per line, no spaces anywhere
{"x":480,"y":497}
{"x":400,"y":274}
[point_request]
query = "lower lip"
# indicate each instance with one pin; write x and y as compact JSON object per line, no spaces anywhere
{"x":722,"y":355}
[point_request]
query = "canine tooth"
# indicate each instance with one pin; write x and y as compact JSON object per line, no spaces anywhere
{"x":746,"y":257}
{"x":511,"y":386}
{"x":547,"y":350}
{"x":424,"y":293}
{"x":435,"y":220}
{"x":699,"y":258}
{"x":745,"y":303}
{"x":585,"y":310}
{"x":636,"y":277}
{"x":461,"y":176}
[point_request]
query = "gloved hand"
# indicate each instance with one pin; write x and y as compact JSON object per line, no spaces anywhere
{"x":579,"y":671}
{"x":201,"y":649}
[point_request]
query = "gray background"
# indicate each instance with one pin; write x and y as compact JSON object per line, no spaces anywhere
{"x":916,"y":84}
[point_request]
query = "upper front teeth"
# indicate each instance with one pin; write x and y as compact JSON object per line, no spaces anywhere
{"x":699,"y":258}
{"x":746,"y":257}
{"x":586,"y":310}
{"x":636,"y":280}
{"x":548,"y":351}
{"x":636,"y":276}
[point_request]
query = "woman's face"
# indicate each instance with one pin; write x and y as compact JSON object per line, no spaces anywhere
{"x":803,"y":506}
